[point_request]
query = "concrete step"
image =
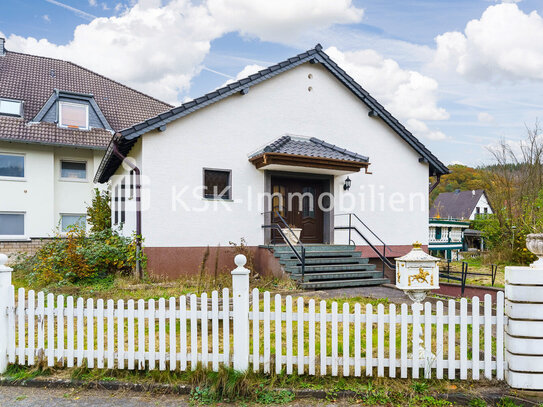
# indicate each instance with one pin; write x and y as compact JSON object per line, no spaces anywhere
{"x":319,"y":254}
{"x":346,"y":275}
{"x":332,"y":268}
{"x":324,"y":260}
{"x":313,"y":248}
{"x":316,"y":285}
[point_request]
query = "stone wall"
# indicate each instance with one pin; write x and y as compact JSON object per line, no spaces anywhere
{"x":12,"y":248}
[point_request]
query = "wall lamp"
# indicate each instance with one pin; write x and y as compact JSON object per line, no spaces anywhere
{"x":347,"y":184}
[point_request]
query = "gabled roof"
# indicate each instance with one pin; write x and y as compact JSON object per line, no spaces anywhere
{"x":128,"y":137}
{"x":311,"y":147}
{"x":457,"y":204}
{"x":33,"y":79}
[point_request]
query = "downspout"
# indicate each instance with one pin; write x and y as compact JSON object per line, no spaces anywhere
{"x":435,"y":184}
{"x":139,"y":270}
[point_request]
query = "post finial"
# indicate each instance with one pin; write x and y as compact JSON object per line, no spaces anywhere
{"x":240,"y":260}
{"x":417,"y":245}
{"x":3,"y":259}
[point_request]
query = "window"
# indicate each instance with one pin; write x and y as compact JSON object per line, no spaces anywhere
{"x":12,"y":165}
{"x":438,"y":233}
{"x":217,"y":184}
{"x":73,"y":115}
{"x":11,"y":107}
{"x":477,"y":210}
{"x":486,"y":210}
{"x":73,"y":170}
{"x":12,"y":224}
{"x":69,"y":221}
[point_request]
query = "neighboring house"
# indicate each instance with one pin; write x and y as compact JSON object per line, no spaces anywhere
{"x":447,"y":237}
{"x":213,"y":169}
{"x":461,"y":205}
{"x":56,"y":120}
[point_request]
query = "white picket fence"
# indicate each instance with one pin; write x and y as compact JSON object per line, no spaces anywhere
{"x":313,"y":338}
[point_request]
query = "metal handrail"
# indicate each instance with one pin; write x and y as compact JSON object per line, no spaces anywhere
{"x":351,"y":214}
{"x":382,"y":256}
{"x":299,"y":256}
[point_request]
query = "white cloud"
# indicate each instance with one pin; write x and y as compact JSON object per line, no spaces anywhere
{"x":46,"y":18}
{"x":456,"y":162}
{"x":159,"y":48}
{"x":407,"y":94}
{"x":282,"y":20}
{"x":485,"y":117}
{"x":504,"y":43}
{"x":245,"y":72}
{"x":421,"y":130}
{"x":92,"y":3}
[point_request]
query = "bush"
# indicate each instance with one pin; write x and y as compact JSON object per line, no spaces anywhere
{"x":79,"y":257}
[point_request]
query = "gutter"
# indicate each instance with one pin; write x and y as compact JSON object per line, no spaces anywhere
{"x":435,"y":184}
{"x":116,"y":152}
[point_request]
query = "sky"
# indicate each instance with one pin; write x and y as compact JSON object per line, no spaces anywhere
{"x":459,"y":74}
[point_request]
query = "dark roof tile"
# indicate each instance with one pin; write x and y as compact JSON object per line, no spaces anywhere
{"x":457,"y":204}
{"x":310,"y":147}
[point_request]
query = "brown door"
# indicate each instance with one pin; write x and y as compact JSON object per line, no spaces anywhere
{"x":296,"y":200}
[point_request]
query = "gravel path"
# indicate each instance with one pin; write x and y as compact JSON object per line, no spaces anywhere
{"x":44,"y":397}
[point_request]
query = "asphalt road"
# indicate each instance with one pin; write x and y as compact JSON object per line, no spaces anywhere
{"x":43,"y":397}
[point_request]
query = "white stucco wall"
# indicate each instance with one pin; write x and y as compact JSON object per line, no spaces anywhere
{"x":223,"y":134}
{"x":42,"y":195}
{"x":481,"y":204}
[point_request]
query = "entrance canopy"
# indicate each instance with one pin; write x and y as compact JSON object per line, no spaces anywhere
{"x":294,"y":153}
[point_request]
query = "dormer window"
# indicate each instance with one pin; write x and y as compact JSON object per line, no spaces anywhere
{"x":11,"y":107}
{"x":73,"y":115}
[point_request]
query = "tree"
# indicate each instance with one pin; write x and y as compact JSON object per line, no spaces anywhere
{"x":99,"y":212}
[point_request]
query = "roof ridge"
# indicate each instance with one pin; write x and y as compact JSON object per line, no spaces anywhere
{"x":338,"y":149}
{"x":167,"y":105}
{"x":277,"y":144}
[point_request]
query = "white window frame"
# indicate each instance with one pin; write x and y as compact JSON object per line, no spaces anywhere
{"x":74,"y":160}
{"x":21,"y":103}
{"x":81,"y":215}
{"x":15,"y":237}
{"x":20,"y":179}
{"x":61,"y":103}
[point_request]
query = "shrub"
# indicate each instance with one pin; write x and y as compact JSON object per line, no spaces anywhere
{"x":78,"y":257}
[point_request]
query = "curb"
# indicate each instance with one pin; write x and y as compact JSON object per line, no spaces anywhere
{"x":456,"y":398}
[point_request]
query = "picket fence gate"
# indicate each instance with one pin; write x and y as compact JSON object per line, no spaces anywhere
{"x":181,"y":333}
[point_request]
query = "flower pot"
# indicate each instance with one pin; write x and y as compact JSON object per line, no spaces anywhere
{"x":534,"y":243}
{"x":292,"y":234}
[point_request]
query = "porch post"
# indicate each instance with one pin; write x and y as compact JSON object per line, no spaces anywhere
{"x":240,"y":296}
{"x":524,"y":331}
{"x":5,"y":285}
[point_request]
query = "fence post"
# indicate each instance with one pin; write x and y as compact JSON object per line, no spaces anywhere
{"x":240,"y":296}
{"x":5,"y":284}
{"x":524,"y":331}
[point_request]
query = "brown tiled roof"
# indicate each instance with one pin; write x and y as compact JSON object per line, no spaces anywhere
{"x":33,"y":79}
{"x":16,"y":129}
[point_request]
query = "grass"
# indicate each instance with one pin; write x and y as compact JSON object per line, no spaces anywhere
{"x":227,"y":385}
{"x":127,"y":287}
